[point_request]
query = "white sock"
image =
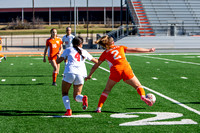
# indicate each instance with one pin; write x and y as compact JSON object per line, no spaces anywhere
{"x":66,"y":102}
{"x":79,"y":98}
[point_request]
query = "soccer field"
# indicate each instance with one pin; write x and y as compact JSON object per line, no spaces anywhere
{"x":29,"y":103}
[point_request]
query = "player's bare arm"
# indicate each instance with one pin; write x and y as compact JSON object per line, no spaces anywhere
{"x":59,"y":60}
{"x":139,"y":50}
{"x":93,"y":69}
{"x":45,"y":51}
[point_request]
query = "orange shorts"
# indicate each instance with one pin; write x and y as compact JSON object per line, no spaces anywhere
{"x":0,"y":47}
{"x":52,"y":58}
{"x":125,"y":74}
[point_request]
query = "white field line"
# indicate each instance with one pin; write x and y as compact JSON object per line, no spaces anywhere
{"x":166,"y":97}
{"x":184,"y":62}
{"x":99,"y":66}
{"x":172,"y":100}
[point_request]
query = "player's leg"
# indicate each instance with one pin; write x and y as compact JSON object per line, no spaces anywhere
{"x":2,"y":57}
{"x":78,"y":85}
{"x":65,"y":89}
{"x":110,"y":84}
{"x":134,"y":82}
{"x":55,"y":72}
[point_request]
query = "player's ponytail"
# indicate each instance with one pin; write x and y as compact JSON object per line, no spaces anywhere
{"x":105,"y":41}
{"x":76,"y":42}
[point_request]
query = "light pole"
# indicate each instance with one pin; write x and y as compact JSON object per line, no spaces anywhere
{"x":33,"y":12}
{"x":70,"y":13}
{"x":74,"y":17}
{"x":87,"y":21}
{"x":112,"y":16}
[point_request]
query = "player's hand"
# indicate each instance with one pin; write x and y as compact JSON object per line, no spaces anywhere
{"x":152,"y":50}
{"x":88,"y":77}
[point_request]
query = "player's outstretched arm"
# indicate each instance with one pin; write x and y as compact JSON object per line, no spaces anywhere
{"x":45,"y":52}
{"x":59,"y":60}
{"x":139,"y":50}
{"x":93,"y":69}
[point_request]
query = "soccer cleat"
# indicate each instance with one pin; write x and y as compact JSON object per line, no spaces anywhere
{"x":68,"y":113}
{"x":54,"y":83}
{"x":85,"y":102}
{"x":98,"y":110}
{"x":4,"y":57}
{"x":147,"y":100}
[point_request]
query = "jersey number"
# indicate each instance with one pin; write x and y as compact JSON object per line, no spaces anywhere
{"x":116,"y":56}
{"x":78,"y":57}
{"x":54,"y":46}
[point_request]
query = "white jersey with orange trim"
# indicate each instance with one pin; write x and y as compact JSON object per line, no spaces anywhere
{"x":67,"y":41}
{"x":75,"y":62}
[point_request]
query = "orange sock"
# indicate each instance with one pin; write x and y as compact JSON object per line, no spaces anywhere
{"x":102,"y":99}
{"x":54,"y":76}
{"x":141,"y":91}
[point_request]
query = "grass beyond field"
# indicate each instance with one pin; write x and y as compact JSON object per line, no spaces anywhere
{"x":30,"y":104}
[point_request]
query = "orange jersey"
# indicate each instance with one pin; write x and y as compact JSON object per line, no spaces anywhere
{"x":115,"y":57}
{"x":53,"y":46}
{"x":119,"y":66}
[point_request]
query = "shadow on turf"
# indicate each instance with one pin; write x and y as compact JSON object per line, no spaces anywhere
{"x":135,"y":108}
{"x":42,"y":113}
{"x":22,"y":84}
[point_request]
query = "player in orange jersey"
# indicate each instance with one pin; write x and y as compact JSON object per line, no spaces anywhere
{"x":119,"y":69}
{"x":54,"y":47}
{"x":1,"y":55}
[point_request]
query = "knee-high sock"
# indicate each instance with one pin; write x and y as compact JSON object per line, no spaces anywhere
{"x":79,"y":98}
{"x":140,"y":91}
{"x":102,"y":99}
{"x":66,"y":102}
{"x":54,"y":76}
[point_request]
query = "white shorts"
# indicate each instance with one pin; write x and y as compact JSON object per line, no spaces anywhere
{"x":73,"y":78}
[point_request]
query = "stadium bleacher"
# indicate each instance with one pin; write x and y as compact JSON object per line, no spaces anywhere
{"x":163,"y":15}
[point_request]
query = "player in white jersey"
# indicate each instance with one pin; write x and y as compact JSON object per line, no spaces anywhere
{"x":74,"y":73}
{"x":67,"y":39}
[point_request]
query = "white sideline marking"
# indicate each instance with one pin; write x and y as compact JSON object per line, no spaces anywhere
{"x":99,"y":66}
{"x":33,"y":79}
{"x":94,"y":79}
{"x":166,"y":97}
{"x":3,"y":80}
{"x":166,"y":62}
{"x":172,"y":100}
{"x":72,"y":116}
{"x":189,"y":57}
{"x":171,"y":60}
{"x":148,"y":62}
{"x":184,"y":77}
{"x":154,"y":78}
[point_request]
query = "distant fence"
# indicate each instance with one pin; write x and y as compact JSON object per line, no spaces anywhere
{"x":35,"y":41}
{"x":39,"y":41}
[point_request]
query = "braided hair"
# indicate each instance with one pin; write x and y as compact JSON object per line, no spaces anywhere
{"x":76,"y":42}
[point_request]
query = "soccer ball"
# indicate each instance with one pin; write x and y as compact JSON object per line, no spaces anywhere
{"x":151,"y":97}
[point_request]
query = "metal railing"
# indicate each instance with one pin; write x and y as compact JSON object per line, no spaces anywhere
{"x":39,"y":41}
{"x":132,"y":10}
